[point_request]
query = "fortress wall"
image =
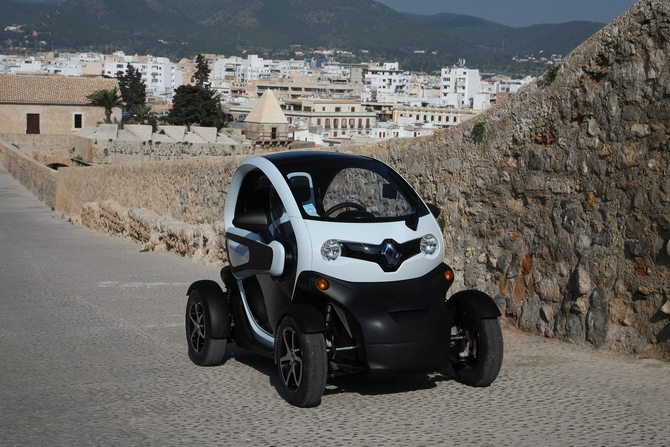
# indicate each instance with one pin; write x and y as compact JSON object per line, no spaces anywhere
{"x":39,"y":179}
{"x":49,"y":148}
{"x":193,"y":191}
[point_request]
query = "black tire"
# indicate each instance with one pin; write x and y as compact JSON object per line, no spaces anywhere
{"x":302,"y":364}
{"x":485,"y":358}
{"x":202,"y":349}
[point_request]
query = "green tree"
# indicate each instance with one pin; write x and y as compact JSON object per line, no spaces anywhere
{"x":108,"y":100}
{"x":220,"y":120}
{"x":132,"y":86}
{"x":202,"y":71}
{"x":194,"y":105}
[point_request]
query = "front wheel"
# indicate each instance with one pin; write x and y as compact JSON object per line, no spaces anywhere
{"x":302,"y":363}
{"x":477,"y":358}
{"x":202,"y":348}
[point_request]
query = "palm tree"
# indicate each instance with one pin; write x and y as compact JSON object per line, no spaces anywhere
{"x":108,"y":100}
{"x":141,"y":112}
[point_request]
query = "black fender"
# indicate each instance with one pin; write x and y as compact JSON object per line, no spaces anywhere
{"x":471,"y":306}
{"x":308,"y":319}
{"x":229,"y":280}
{"x":216,"y":307}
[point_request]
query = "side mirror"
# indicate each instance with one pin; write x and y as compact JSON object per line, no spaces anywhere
{"x":251,"y":220}
{"x":434,"y":210}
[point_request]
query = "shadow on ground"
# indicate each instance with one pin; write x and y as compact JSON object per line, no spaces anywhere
{"x":357,"y":383}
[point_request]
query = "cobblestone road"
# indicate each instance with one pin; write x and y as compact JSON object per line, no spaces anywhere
{"x":92,"y":352}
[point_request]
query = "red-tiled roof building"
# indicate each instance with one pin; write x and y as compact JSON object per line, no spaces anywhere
{"x":38,"y":104}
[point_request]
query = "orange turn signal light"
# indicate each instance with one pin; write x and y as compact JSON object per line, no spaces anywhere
{"x":449,"y":274}
{"x":322,"y":284}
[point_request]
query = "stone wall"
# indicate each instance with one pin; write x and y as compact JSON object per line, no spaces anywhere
{"x":38,"y":178}
{"x":117,"y":152}
{"x":560,"y":208}
{"x":193,"y":191}
{"x":50,"y":148}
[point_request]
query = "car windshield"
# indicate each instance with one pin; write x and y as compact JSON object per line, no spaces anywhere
{"x":348,"y":189}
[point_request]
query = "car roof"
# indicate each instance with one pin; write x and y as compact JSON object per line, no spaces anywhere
{"x":281,"y":159}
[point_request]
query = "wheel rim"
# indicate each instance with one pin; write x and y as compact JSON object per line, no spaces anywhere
{"x":290,"y":362}
{"x":197,"y":326}
{"x":469,"y":361}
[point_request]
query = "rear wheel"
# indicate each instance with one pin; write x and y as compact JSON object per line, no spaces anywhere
{"x":302,"y":364}
{"x":477,"y":359}
{"x":202,"y":349}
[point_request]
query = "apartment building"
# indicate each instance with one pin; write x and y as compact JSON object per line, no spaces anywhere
{"x":408,"y":115}
{"x":384,"y":80}
{"x":161,"y":76}
{"x":459,"y":86}
{"x":331,"y":118}
{"x":299,"y":86}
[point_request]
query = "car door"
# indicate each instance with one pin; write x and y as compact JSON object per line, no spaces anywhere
{"x":251,"y":248}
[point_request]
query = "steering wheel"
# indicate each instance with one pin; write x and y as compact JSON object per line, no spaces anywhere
{"x":339,"y":206}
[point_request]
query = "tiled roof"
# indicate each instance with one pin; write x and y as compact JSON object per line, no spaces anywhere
{"x":70,"y":90}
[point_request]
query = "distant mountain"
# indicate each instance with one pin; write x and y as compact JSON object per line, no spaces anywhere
{"x":16,"y":13}
{"x":365,"y":29}
{"x":549,"y":39}
{"x":175,"y":28}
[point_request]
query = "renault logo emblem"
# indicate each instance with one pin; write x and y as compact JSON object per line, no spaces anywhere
{"x":390,"y":253}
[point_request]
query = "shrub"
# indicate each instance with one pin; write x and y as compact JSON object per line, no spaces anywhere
{"x":478,"y":130}
{"x":552,"y":73}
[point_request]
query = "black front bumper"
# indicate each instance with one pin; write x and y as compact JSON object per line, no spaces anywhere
{"x":397,"y":327}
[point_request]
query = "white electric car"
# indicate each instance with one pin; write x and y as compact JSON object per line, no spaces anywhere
{"x":336,"y":266}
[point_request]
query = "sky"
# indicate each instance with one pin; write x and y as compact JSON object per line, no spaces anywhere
{"x":519,"y":13}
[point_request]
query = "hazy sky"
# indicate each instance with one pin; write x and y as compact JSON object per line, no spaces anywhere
{"x":519,"y":12}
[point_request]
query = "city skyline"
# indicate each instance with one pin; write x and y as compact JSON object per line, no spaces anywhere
{"x":519,"y":13}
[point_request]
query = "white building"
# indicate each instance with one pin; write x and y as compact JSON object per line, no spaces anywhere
{"x":513,"y":85}
{"x":29,"y":65}
{"x":65,"y":67}
{"x":253,"y":67}
{"x":160,"y":76}
{"x":385,"y":80}
{"x":459,"y":85}
{"x":226,"y":68}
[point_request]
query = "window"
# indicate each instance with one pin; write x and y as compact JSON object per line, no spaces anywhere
{"x":353,"y":109}
{"x":318,"y":121}
{"x":338,"y":109}
{"x":77,"y":120}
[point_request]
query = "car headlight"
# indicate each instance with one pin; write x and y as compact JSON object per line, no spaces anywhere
{"x":331,"y":250}
{"x":429,"y":245}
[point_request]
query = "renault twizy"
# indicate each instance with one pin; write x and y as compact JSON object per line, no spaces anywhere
{"x":336,"y":267}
